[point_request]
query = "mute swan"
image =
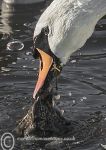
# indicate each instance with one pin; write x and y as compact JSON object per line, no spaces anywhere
{"x":63,"y":28}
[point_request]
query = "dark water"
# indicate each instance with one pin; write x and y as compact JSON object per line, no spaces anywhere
{"x":82,"y":85}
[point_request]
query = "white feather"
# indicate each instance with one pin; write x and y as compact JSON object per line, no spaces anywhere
{"x":71,"y":23}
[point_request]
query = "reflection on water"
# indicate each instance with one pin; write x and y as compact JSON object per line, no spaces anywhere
{"x":82,"y":84}
{"x":15,"y":44}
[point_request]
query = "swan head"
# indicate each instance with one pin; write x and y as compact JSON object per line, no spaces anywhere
{"x":50,"y":66}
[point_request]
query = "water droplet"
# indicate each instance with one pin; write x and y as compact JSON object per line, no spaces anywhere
{"x":62,"y":111}
{"x":57,"y":97}
{"x":15,"y":45}
{"x":53,"y":103}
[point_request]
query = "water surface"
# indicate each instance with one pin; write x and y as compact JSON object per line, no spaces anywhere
{"x":82,"y":84}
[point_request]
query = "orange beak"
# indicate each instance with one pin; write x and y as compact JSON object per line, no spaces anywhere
{"x":47,"y":61}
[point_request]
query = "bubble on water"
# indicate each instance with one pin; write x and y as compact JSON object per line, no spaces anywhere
{"x":28,"y":53}
{"x":83,"y":98}
{"x":78,"y":142}
{"x":73,"y":61}
{"x":24,"y":66}
{"x":27,"y":24}
{"x":90,"y":78}
{"x":24,"y":108}
{"x":26,"y":58}
{"x":70,"y":94}
{"x":73,"y":101}
{"x":5,"y":69}
{"x":18,"y":58}
{"x":15,"y":45}
{"x":101,"y":26}
{"x":34,"y":68}
{"x":17,"y":30}
{"x":8,"y":55}
{"x":14,"y":63}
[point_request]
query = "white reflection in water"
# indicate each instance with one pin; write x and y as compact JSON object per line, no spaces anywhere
{"x":5,"y":69}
